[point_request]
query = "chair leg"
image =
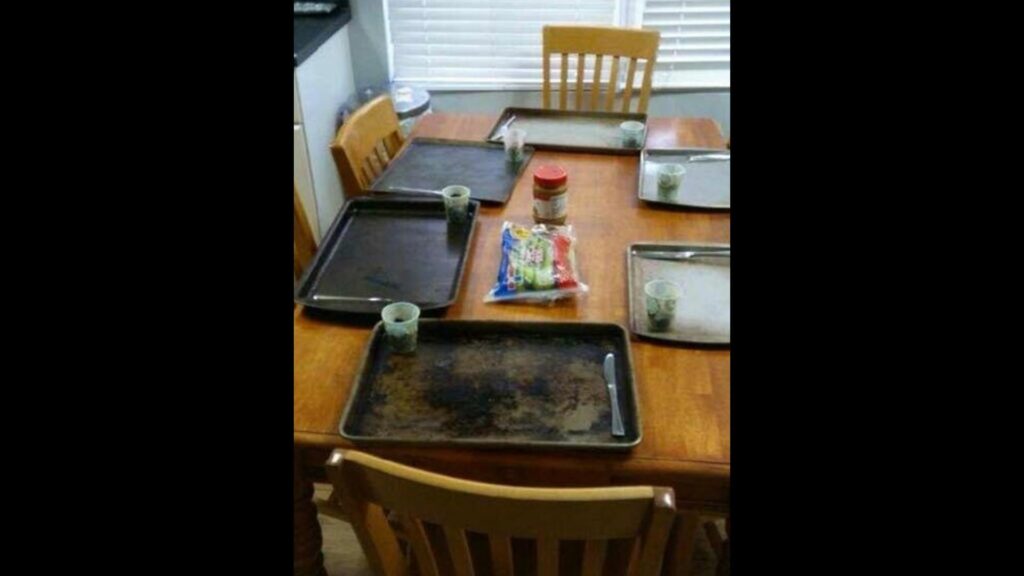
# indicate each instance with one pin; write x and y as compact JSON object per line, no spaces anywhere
{"x":331,"y":507}
{"x":308,"y":559}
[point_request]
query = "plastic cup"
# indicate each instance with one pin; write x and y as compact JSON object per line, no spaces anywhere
{"x":401,"y":321}
{"x":515,"y":139}
{"x":632,"y":133}
{"x":662,"y":296}
{"x":456,"y":203}
{"x":669,"y":178}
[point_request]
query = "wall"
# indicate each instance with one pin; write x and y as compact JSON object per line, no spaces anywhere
{"x":370,"y":68}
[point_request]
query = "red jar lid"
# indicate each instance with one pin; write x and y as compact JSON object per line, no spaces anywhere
{"x":550,"y":176}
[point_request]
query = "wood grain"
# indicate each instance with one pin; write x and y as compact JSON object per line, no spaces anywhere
{"x":684,"y":392}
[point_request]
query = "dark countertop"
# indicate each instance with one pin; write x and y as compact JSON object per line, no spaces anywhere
{"x":312,"y":31}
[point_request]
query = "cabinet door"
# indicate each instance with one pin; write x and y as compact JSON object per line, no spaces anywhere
{"x":304,"y":181}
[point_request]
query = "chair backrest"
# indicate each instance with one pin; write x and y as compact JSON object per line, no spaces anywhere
{"x":366,"y":143}
{"x":304,"y":246}
{"x":600,"y":41}
{"x":627,"y":527}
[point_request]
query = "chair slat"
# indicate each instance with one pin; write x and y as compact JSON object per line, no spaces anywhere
{"x":563,"y":93}
{"x":645,"y":86}
{"x":367,"y":176}
{"x":595,"y":84}
{"x":613,"y":85}
{"x":547,"y":557}
{"x":501,"y":555}
{"x":679,"y":557}
{"x":420,"y":544}
{"x":628,"y":94}
{"x":382,"y":155}
{"x":634,"y":558}
{"x":546,"y":88}
{"x":458,"y":547}
{"x":581,"y":60}
{"x":593,"y":557}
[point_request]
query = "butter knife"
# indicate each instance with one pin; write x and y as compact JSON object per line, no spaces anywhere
{"x":682,"y":255}
{"x":324,"y":297}
{"x":710,"y":158}
{"x":609,"y":378}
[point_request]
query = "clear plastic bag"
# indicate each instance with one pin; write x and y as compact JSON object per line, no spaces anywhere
{"x":537,"y":263}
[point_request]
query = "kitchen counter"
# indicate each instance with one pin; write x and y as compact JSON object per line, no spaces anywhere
{"x":312,"y":31}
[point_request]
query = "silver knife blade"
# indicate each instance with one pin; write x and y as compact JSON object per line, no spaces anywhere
{"x":609,"y":378}
{"x":710,"y":158}
{"x":325,"y":297}
{"x":682,"y":255}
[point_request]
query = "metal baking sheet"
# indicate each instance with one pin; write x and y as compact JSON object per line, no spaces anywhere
{"x":570,"y":130}
{"x":495,"y":384}
{"x":702,"y":313}
{"x":380,"y":250}
{"x":705,"y":184}
{"x":430,"y":164}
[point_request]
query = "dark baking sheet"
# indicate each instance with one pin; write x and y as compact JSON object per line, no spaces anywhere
{"x":497,"y":384}
{"x":393,"y":249}
{"x":430,"y":164}
{"x":570,"y":130}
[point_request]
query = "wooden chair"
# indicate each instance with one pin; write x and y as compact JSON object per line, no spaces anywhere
{"x":720,"y":546}
{"x":627,"y":527}
{"x":365,"y":145}
{"x":304,"y":246}
{"x":600,"y":41}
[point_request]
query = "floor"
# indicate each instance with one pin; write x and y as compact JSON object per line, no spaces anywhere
{"x":344,"y":557}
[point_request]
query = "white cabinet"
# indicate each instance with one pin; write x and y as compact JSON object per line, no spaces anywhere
{"x":323,"y":82}
{"x":295,"y":92}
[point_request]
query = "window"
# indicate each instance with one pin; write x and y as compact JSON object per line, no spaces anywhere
{"x":694,"y":49}
{"x":497,"y":44}
{"x":480,"y":44}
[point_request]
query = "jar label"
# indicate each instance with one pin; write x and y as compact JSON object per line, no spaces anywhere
{"x":551,"y":209}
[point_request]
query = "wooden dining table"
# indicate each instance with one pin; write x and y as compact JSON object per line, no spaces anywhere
{"x":683,"y":390}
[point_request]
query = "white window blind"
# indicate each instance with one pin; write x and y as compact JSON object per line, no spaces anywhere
{"x":694,"y":49}
{"x":482,"y":44}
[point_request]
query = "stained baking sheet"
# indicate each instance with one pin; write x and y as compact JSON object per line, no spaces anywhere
{"x":488,"y":383}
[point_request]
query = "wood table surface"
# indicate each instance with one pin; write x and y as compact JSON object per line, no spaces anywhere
{"x":683,"y":391}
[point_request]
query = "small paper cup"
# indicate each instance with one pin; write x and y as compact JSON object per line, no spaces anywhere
{"x":515,"y":140}
{"x":456,"y":203}
{"x":632,"y":133}
{"x":401,"y":323}
{"x":669,"y":178}
{"x":662,"y":297}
